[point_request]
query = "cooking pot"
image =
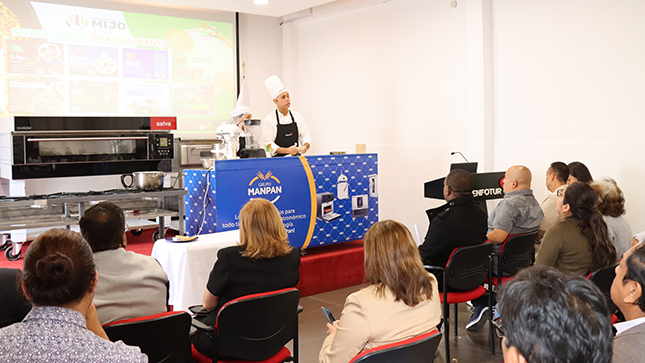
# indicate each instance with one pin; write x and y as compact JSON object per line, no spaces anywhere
{"x":144,"y":180}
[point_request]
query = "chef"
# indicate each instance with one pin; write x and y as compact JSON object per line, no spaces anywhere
{"x":284,"y":131}
{"x":238,"y":116}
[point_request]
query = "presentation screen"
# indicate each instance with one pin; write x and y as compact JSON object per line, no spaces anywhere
{"x":65,"y":59}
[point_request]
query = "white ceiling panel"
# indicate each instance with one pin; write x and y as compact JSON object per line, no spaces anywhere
{"x":275,"y":8}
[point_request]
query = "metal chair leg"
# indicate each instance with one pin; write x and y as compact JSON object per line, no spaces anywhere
{"x":446,"y":314}
{"x":456,"y":319}
{"x":296,"y":348}
{"x":490,"y":323}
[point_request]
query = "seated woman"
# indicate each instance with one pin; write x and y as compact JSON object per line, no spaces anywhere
{"x":60,"y":279}
{"x":578,"y":172}
{"x":611,"y":203}
{"x":580,"y":243}
{"x":263,"y":261}
{"x":401,"y":302}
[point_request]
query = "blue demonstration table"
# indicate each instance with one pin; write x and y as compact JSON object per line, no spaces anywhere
{"x":323,"y":200}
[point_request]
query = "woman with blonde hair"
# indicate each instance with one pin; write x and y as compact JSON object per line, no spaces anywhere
{"x":611,"y":204}
{"x":262,"y":261}
{"x":401,"y":302}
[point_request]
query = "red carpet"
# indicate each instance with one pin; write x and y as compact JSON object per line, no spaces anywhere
{"x":322,"y":269}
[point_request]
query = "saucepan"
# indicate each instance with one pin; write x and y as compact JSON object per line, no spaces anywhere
{"x":144,"y":180}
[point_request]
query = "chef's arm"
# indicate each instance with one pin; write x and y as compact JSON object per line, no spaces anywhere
{"x":287,"y":150}
{"x":304,"y":148}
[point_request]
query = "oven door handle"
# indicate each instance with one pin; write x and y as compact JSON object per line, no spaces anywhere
{"x":88,"y":139}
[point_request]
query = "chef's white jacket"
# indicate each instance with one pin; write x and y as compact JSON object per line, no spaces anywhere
{"x":269,"y":130}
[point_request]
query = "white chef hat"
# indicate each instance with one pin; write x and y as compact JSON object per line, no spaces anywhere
{"x":274,"y":86}
{"x":241,"y":110}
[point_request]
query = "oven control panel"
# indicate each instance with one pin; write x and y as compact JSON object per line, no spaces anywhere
{"x":161,"y":146}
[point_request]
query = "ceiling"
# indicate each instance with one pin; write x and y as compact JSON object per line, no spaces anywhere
{"x":275,"y":8}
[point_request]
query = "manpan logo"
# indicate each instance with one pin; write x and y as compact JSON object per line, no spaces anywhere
{"x":77,"y":22}
{"x":267,"y":186}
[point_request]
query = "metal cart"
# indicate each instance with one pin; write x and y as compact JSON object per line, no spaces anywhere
{"x":66,"y":209}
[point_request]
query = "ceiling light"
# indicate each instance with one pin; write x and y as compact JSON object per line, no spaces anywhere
{"x":260,"y":2}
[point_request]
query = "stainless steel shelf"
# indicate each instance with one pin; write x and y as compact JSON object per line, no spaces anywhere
{"x":66,"y":210}
{"x":38,"y":222}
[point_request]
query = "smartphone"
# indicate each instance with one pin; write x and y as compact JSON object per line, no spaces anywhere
{"x":328,"y":315}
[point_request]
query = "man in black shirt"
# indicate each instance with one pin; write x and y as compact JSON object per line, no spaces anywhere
{"x":460,"y":222}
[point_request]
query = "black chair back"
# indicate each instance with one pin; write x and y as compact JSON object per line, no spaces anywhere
{"x":467,"y":267}
{"x":256,"y":327}
{"x":603,"y":279}
{"x":163,"y":337}
{"x":517,"y":253}
{"x":415,"y":350}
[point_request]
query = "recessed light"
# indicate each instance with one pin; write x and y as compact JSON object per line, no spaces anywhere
{"x":260,"y":2}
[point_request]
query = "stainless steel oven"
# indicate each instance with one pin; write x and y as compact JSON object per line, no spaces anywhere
{"x":45,"y":147}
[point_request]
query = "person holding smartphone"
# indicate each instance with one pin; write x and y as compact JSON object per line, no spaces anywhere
{"x":401,"y":302}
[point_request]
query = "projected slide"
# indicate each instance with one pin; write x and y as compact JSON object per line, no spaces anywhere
{"x":69,"y":60}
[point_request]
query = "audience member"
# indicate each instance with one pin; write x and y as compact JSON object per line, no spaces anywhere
{"x":263,"y":261}
{"x":518,"y":212}
{"x":627,"y":294}
{"x":60,"y":279}
{"x":458,"y":223}
{"x":556,"y":180}
{"x":550,"y":316}
{"x":578,"y":172}
{"x":580,"y":243}
{"x":13,"y":303}
{"x":130,"y":284}
{"x":611,"y":204}
{"x":401,"y":302}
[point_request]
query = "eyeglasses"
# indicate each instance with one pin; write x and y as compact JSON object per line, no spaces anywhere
{"x":560,"y":193}
{"x":497,"y":324}
{"x":127,"y":228}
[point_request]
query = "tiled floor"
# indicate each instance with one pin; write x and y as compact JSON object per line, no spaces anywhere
{"x":467,"y":347}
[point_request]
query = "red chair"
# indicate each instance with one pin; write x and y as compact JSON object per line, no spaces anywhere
{"x":254,"y":328}
{"x":516,"y":253}
{"x":418,"y":349}
{"x":163,"y":337}
{"x":466,"y":272}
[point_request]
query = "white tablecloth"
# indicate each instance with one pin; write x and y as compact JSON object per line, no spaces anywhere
{"x":189,"y":264}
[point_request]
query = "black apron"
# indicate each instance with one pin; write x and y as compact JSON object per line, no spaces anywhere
{"x":287,"y":134}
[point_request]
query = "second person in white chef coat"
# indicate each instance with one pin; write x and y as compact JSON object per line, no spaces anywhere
{"x":284,"y":131}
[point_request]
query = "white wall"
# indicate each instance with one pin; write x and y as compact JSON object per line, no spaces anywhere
{"x":260,"y":50}
{"x":569,"y":79}
{"x":393,"y":76}
{"x":508,"y":82}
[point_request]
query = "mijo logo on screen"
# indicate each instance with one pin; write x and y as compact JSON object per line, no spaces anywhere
{"x":76,"y":22}
{"x":266,"y":186}
{"x":79,"y":22}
